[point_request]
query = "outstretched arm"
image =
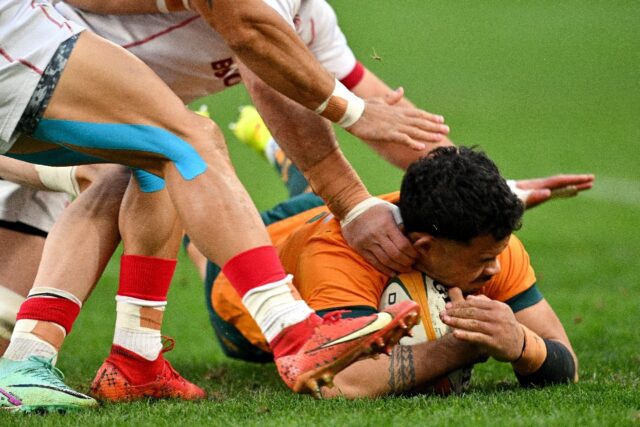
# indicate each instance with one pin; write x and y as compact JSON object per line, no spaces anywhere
{"x":67,"y":179}
{"x":407,"y":369}
{"x":536,"y":191}
{"x":45,"y":178}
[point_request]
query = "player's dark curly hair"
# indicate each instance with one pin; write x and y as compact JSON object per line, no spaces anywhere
{"x":458,"y":193}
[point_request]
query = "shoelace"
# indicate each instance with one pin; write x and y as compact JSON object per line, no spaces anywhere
{"x":45,"y":371}
{"x":167,"y":345}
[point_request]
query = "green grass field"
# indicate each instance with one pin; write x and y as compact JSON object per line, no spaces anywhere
{"x":544,"y":87}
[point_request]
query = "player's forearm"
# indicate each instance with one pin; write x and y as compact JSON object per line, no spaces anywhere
{"x":20,"y":173}
{"x":116,"y":7}
{"x":309,"y":141}
{"x":409,"y":368}
{"x":548,"y":356}
{"x":270,"y":47}
{"x":544,"y":361}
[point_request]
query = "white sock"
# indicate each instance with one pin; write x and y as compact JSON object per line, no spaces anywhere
{"x":274,"y":307}
{"x":138,"y":325}
{"x":25,"y":344}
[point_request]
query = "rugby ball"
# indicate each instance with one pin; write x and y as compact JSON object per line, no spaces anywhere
{"x":432,"y":297}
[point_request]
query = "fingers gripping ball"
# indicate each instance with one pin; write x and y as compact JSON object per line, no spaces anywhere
{"x":432,"y":297}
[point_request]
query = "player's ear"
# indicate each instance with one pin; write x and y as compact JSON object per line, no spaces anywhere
{"x":422,"y":242}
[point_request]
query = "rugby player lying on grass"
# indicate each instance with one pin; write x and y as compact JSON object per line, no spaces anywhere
{"x":459,"y":214}
{"x":71,"y":111}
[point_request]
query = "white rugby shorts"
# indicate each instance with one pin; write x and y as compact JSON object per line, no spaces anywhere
{"x":39,"y":209}
{"x":30,"y":33}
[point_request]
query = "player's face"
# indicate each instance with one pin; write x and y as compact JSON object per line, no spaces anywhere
{"x":467,"y":266}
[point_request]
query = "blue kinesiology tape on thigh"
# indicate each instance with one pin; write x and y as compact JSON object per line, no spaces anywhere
{"x":117,"y":136}
{"x":56,"y":157}
{"x":148,"y":182}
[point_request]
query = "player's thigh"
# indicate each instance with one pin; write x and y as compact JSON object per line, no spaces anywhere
{"x":107,"y":92}
{"x":103,"y":83}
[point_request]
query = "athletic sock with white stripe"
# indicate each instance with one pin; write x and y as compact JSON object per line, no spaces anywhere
{"x":44,"y":320}
{"x":141,"y":301}
{"x":267,"y":292}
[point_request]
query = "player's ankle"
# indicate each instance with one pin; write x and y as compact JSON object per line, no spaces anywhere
{"x":291,"y":339}
{"x":137,"y":369}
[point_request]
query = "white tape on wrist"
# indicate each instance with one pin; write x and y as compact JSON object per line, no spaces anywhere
{"x":367,"y":204}
{"x":523,"y":195}
{"x":342,"y":107}
{"x":59,"y":179}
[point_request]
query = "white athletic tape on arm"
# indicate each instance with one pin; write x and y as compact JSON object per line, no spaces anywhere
{"x":523,"y":195}
{"x":59,"y":179}
{"x":342,"y":107}
{"x":367,"y":204}
{"x":10,"y":303}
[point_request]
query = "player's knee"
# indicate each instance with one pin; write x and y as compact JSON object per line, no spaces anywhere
{"x":109,"y":178}
{"x":103,"y":187}
{"x":206,"y":140}
{"x":209,"y":139}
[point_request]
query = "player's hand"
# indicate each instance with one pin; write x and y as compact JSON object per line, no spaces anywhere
{"x":490,"y":325}
{"x":375,"y":235}
{"x":385,"y":122}
{"x":535,"y":191}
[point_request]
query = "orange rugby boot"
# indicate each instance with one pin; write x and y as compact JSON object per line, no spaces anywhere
{"x":125,"y":376}
{"x":336,"y":342}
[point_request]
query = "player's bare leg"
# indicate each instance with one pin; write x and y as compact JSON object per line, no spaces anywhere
{"x":24,"y":243}
{"x":19,"y":258}
{"x":88,"y":226}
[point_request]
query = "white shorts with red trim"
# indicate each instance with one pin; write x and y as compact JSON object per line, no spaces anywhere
{"x":30,"y":33}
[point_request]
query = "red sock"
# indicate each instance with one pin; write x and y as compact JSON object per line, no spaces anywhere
{"x":59,"y":310}
{"x":253,"y":268}
{"x":145,"y":277}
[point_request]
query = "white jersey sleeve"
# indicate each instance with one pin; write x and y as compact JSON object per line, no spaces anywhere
{"x":317,"y":25}
{"x":286,"y":8}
